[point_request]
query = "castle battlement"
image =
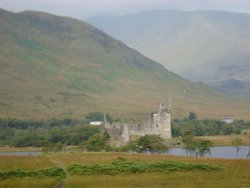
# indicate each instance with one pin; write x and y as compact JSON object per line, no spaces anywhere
{"x":158,"y":123}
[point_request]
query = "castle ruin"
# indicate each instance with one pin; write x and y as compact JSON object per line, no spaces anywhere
{"x":158,"y":123}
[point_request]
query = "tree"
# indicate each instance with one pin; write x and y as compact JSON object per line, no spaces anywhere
{"x":151,"y":143}
{"x":97,"y":142}
{"x":197,"y":147}
{"x":32,"y":140}
{"x":187,"y":137}
{"x":69,"y":121}
{"x":97,"y":116}
{"x":59,"y":135}
{"x":192,"y":116}
{"x":82,"y":134}
{"x":176,"y":132}
{"x":248,"y":152}
{"x":237,"y":142}
{"x":227,"y":129}
{"x":202,"y":147}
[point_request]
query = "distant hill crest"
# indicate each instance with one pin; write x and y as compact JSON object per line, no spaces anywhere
{"x":52,"y":66}
{"x":198,"y":45}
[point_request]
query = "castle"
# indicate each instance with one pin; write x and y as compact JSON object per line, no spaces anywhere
{"x":158,"y":123}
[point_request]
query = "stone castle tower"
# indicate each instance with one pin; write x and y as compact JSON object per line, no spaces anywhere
{"x":158,"y":123}
{"x":161,"y":122}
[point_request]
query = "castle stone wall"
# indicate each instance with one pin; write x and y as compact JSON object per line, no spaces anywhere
{"x":159,"y":123}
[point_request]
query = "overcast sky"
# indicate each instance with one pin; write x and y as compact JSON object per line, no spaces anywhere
{"x":85,"y":8}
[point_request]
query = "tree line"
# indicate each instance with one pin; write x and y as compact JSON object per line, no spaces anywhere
{"x":206,"y":127}
{"x":54,"y":134}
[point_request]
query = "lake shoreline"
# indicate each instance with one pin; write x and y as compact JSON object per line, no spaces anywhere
{"x":225,"y":152}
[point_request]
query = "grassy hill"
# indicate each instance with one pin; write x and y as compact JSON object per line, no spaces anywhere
{"x":53,"y":66}
{"x":208,"y":46}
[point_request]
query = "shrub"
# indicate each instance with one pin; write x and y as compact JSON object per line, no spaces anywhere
{"x":121,"y":165}
{"x":18,"y":173}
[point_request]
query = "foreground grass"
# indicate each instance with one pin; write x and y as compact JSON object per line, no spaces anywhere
{"x":161,"y":180}
{"x":29,"y":182}
{"x":24,"y":162}
{"x":235,"y":173}
{"x":27,"y":163}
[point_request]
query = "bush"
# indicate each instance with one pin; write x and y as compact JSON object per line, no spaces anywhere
{"x":18,"y":173}
{"x":121,"y":165}
{"x":192,"y":116}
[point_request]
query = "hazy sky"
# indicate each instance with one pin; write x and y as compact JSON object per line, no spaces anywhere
{"x":85,"y":8}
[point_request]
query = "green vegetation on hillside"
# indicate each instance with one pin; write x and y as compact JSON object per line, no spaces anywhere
{"x":57,"y":67}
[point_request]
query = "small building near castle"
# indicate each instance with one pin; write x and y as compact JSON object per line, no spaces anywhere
{"x":158,"y":123}
{"x":96,"y":123}
{"x":228,"y":120}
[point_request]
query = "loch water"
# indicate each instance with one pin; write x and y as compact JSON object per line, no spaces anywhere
{"x":227,"y":152}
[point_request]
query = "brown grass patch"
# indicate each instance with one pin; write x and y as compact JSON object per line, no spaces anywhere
{"x":9,"y":149}
{"x":26,"y":163}
{"x":28,"y":182}
{"x":225,"y":140}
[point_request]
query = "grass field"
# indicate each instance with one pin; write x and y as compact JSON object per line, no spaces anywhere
{"x":226,"y":140}
{"x":234,"y":173}
{"x":26,"y":163}
{"x":28,"y":183}
{"x":14,"y":149}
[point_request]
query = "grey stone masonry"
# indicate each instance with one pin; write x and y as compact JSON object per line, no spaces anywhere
{"x":158,"y":123}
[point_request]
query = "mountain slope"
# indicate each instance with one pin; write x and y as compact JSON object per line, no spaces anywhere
{"x":58,"y":67}
{"x":208,"y":46}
